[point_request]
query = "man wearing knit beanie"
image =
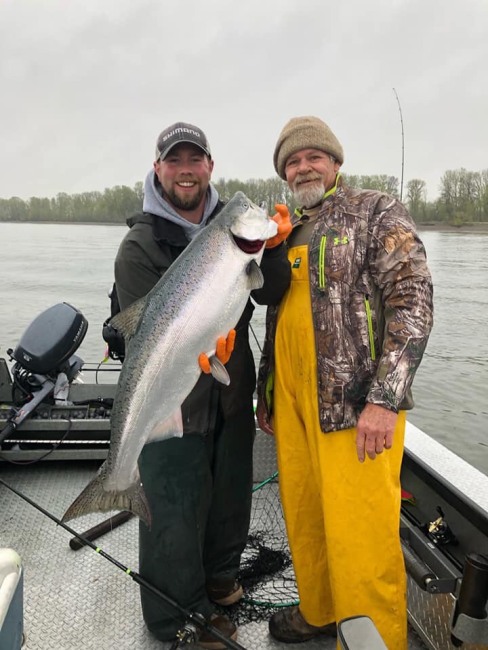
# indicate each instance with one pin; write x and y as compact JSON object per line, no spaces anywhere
{"x":312,"y":135}
{"x":339,"y":357}
{"x":301,"y":133}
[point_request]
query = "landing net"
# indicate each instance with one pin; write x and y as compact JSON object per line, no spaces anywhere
{"x":266,"y":572}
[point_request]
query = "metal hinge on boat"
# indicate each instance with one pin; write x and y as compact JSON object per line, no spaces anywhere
{"x":434,"y":573}
{"x":426,"y":564}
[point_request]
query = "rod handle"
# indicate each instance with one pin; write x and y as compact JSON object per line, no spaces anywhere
{"x":100,"y":529}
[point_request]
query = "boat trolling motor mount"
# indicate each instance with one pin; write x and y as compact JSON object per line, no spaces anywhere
{"x":470,"y":618}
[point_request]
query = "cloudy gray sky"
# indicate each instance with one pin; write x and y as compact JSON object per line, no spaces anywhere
{"x":87,"y":85}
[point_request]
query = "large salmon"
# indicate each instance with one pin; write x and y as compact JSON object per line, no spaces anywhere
{"x":200,"y":298}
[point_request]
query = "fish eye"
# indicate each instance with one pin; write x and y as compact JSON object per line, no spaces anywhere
{"x":245,"y":205}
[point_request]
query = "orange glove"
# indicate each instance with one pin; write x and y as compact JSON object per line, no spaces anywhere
{"x":282,"y":218}
{"x":225,"y":347}
{"x":223,"y":350}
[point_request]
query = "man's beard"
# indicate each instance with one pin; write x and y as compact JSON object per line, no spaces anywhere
{"x":186,"y":202}
{"x":309,"y":195}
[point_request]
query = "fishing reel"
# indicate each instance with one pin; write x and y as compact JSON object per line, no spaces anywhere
{"x":185,"y":636}
{"x":439,"y":532}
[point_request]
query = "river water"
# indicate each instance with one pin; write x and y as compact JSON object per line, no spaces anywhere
{"x":42,"y":264}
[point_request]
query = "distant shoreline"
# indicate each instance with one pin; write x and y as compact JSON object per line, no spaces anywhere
{"x":467,"y":228}
{"x":480,"y":227}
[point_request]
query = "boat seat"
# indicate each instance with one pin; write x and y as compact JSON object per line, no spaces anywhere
{"x":11,"y":600}
{"x":359,"y":633}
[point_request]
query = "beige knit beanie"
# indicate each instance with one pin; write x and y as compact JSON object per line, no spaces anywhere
{"x":305,"y":133}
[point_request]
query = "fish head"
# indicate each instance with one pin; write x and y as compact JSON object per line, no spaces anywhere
{"x":249,"y":224}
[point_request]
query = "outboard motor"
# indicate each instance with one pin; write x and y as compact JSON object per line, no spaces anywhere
{"x":45,"y":363}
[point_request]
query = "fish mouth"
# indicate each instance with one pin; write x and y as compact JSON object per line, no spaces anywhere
{"x":249,"y":246}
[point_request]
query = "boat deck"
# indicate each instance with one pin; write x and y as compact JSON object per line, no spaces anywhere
{"x":77,"y":600}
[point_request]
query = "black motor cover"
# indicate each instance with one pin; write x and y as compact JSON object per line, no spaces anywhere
{"x":51,"y":339}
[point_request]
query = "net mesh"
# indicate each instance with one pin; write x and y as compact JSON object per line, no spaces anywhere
{"x":266,"y":572}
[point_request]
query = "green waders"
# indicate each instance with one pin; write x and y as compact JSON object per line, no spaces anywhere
{"x":199,"y":489}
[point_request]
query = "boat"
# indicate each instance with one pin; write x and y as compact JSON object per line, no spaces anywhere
{"x":55,"y":431}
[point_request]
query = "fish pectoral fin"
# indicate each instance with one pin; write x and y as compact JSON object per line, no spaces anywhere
{"x":219,"y":371}
{"x":255,"y":275}
{"x":169,"y":428}
{"x":127,"y":320}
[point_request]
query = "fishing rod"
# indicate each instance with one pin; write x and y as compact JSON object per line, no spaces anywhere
{"x":255,"y":338}
{"x":403,"y":143}
{"x":188,"y":633}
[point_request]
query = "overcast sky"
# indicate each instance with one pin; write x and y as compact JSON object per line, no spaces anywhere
{"x":87,"y":85}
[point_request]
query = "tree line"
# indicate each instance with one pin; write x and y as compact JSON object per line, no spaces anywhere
{"x":463,"y":199}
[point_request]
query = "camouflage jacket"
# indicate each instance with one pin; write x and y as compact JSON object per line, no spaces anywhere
{"x":372,"y":309}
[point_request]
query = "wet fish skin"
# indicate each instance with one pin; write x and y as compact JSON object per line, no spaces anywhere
{"x":200,"y":298}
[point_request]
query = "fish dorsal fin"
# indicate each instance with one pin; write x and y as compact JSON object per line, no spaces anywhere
{"x":171,"y":427}
{"x":127,"y":320}
{"x":219,"y":371}
{"x":255,"y":275}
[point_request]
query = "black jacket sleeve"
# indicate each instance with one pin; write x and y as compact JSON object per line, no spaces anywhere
{"x":277,"y":275}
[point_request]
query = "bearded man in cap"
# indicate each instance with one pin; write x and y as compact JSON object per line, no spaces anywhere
{"x":334,"y":383}
{"x":198,"y":486}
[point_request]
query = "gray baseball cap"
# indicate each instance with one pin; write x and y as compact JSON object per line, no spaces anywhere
{"x":178,"y":133}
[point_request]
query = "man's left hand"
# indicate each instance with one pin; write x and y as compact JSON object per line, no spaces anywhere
{"x":283,"y":220}
{"x":375,"y":429}
{"x":223,"y":350}
{"x":225,"y":346}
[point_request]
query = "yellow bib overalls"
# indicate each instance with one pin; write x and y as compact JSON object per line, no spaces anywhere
{"x":342,"y":516}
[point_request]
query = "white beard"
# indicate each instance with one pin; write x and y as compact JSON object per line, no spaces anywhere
{"x":310,"y":195}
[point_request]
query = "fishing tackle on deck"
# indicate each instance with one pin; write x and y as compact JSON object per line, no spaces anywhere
{"x":193,"y":619}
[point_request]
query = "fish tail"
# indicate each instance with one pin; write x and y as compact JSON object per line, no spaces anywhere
{"x":94,"y":498}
